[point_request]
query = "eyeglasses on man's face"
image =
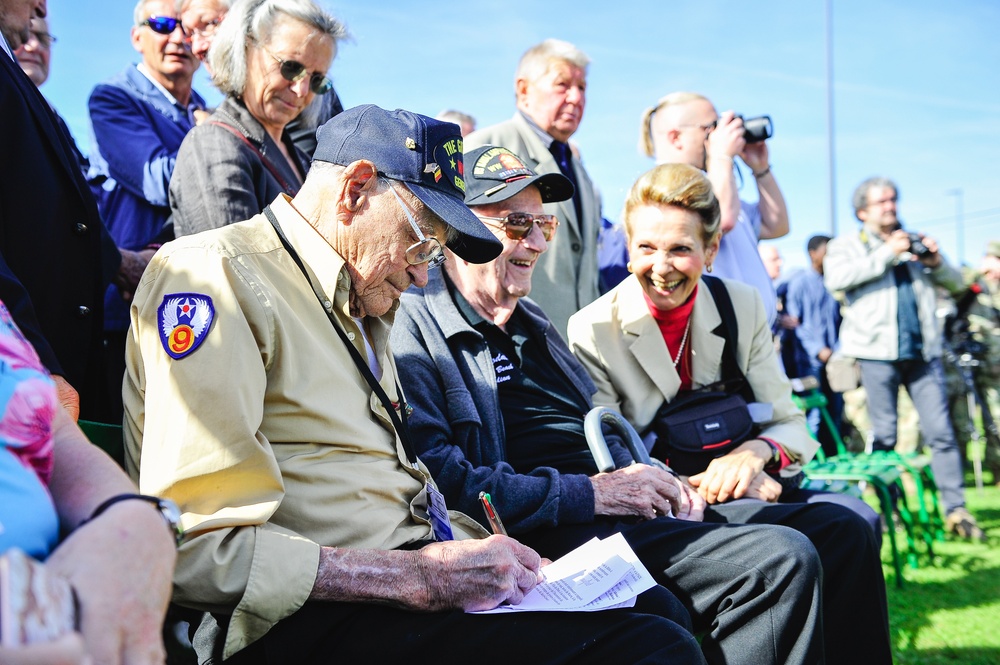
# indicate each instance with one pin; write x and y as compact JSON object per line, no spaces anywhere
{"x":517,"y":225}
{"x":44,"y":39}
{"x":164,"y":25}
{"x":294,"y":71}
{"x":425,"y":250}
{"x":205,"y":30}
{"x":708,"y":127}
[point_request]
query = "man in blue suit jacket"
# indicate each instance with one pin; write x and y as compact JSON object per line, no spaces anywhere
{"x":55,"y":256}
{"x":139,"y":118}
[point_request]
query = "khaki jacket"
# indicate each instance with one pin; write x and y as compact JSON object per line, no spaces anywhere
{"x":621,"y":346}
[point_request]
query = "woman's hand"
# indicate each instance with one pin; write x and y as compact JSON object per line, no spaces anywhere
{"x":732,"y":475}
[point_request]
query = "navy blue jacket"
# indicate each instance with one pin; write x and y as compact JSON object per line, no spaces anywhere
{"x":56,"y":258}
{"x":447,"y":375}
{"x":137,"y":133}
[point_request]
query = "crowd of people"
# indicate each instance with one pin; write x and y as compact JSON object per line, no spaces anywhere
{"x":228,"y":283}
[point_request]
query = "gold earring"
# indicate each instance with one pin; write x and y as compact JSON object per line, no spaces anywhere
{"x":709,"y":267}
{"x":628,"y":266}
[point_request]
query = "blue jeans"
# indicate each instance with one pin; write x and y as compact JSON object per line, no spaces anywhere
{"x":924,"y":381}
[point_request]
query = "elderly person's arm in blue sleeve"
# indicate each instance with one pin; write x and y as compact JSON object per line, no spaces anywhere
{"x":458,"y":431}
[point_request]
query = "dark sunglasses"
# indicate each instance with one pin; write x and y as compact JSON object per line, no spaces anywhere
{"x":517,"y":225}
{"x":294,"y":71}
{"x":163,"y":25}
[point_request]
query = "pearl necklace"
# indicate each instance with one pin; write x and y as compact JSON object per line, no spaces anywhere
{"x":684,"y":339}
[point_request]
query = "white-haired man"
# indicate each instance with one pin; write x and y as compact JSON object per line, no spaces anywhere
{"x":550,"y":88}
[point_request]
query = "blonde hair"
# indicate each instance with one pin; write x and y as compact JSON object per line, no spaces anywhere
{"x":678,"y":185}
{"x":646,"y":126}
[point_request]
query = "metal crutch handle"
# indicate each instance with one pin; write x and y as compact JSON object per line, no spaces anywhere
{"x":599,"y":447}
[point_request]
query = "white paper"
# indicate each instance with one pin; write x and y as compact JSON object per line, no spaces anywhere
{"x":598,"y":575}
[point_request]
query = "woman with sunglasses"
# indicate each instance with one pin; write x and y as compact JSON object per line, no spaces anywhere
{"x":270,"y":58}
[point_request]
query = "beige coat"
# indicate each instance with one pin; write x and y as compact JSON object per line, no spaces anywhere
{"x":621,"y":346}
{"x":565,"y":278}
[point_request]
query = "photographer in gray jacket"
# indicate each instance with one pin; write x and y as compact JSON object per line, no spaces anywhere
{"x":888,"y":275}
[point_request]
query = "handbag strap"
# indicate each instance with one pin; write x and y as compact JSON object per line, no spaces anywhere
{"x":289,"y":189}
{"x":730,"y":365}
{"x":398,"y":421}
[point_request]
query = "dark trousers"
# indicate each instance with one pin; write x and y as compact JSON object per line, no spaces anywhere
{"x":925,"y":383}
{"x":323,"y":633}
{"x":752,"y":579}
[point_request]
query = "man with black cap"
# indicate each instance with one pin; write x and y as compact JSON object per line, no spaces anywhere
{"x":261,"y":396}
{"x":506,"y":416}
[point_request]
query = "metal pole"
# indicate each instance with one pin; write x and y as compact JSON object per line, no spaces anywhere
{"x":829,"y":118}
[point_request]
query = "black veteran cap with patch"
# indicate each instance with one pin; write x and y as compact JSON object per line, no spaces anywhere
{"x":496,"y":174}
{"x":424,"y":153}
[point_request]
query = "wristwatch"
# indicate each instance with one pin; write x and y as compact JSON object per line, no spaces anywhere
{"x":168,"y":510}
{"x":774,"y":463}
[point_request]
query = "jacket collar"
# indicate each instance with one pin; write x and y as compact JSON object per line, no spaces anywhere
{"x":146,"y":90}
{"x":646,"y":344}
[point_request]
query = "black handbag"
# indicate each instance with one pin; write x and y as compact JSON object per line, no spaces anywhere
{"x":699,"y":425}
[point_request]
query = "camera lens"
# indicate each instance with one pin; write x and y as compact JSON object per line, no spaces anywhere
{"x":757,"y":129}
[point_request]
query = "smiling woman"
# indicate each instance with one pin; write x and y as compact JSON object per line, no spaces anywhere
{"x":270,"y":58}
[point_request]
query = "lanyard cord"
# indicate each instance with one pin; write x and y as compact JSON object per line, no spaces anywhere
{"x":398,"y":420}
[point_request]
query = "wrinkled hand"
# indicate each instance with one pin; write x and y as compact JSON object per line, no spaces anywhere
{"x":130,"y":270}
{"x":726,"y":140}
{"x":121,"y":566}
{"x":67,"y":396}
{"x":67,"y":650}
{"x":641,"y":490}
{"x":730,"y":476}
{"x":476,"y":574}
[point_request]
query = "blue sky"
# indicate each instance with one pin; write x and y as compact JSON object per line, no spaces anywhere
{"x":916,"y":87}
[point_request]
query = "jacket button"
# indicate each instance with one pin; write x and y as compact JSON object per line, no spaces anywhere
{"x":81,"y":228}
{"x":82,"y":311}
{"x":576,"y":247}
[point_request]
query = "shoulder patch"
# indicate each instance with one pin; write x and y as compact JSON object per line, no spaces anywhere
{"x":184,"y":321}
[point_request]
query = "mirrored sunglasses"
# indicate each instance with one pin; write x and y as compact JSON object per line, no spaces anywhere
{"x":294,"y":71}
{"x":163,"y":25}
{"x":517,"y":225}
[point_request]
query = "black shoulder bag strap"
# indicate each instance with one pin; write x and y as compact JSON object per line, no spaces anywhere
{"x":398,"y":420}
{"x":730,"y":366}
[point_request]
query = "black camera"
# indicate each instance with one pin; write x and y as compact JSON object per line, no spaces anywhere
{"x":917,"y":246}
{"x":757,"y":129}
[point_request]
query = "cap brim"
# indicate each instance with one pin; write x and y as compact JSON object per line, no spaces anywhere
{"x":554,"y":187}
{"x":475,"y":242}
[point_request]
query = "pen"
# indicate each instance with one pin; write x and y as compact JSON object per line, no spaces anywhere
{"x":491,"y":514}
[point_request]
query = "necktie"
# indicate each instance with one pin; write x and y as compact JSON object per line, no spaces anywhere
{"x":564,"y":158}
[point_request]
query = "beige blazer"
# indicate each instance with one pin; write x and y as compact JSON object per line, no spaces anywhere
{"x":565,"y":277}
{"x":621,"y":346}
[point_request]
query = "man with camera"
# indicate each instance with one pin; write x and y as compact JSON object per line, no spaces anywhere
{"x":685,"y":128}
{"x":887,"y":276}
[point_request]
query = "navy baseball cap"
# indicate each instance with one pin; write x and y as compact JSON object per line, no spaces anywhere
{"x":424,"y":153}
{"x":498,"y":174}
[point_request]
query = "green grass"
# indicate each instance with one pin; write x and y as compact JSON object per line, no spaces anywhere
{"x":948,"y":611}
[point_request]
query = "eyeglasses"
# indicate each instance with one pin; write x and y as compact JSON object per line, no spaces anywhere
{"x":44,"y":39}
{"x":517,"y":225}
{"x":207,"y":30}
{"x":294,"y":71}
{"x":708,"y":127}
{"x":425,"y":250}
{"x":163,"y":25}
